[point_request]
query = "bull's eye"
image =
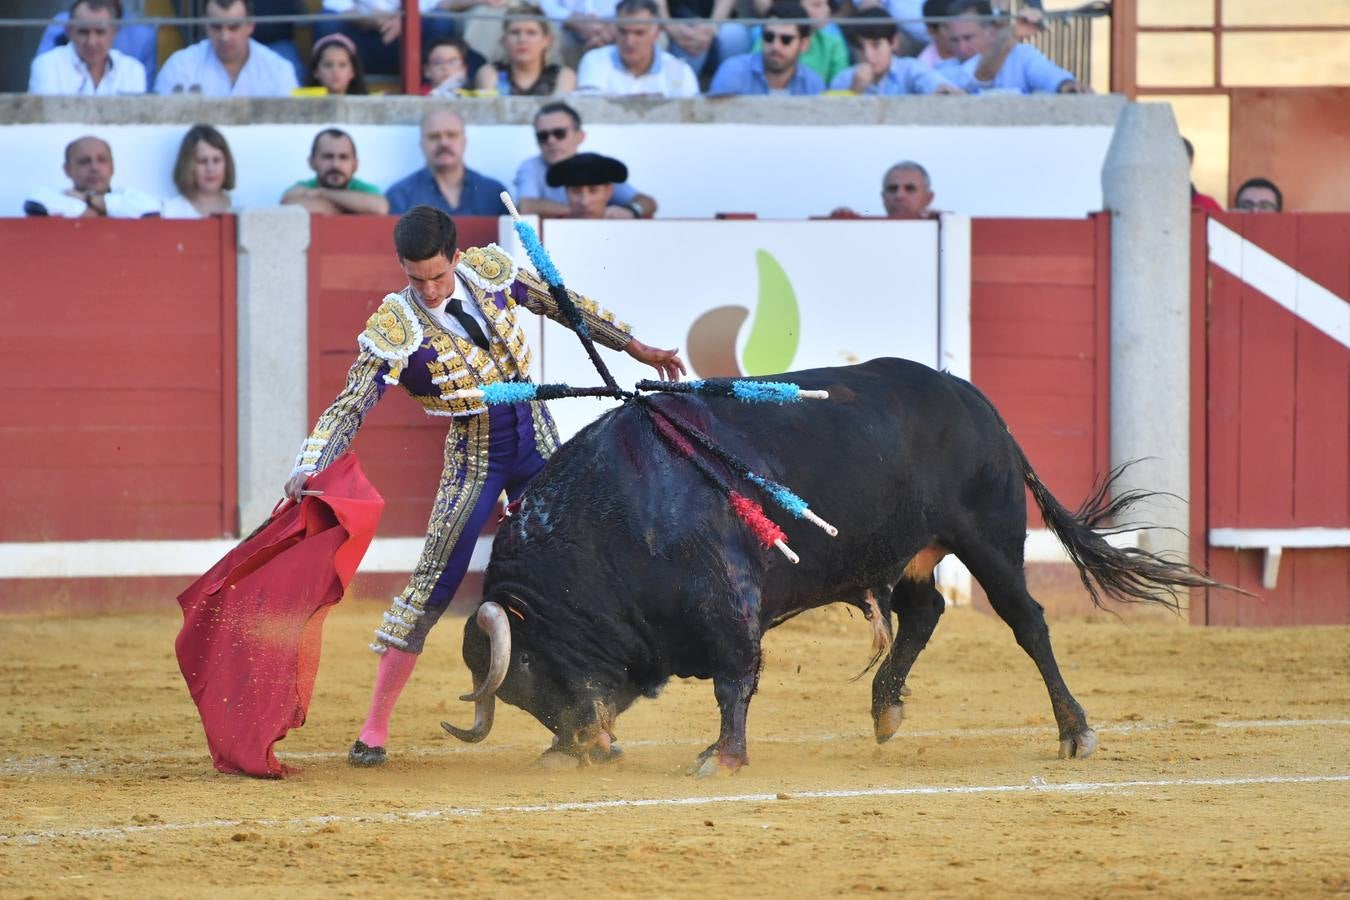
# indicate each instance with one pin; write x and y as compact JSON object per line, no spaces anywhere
{"x":524,"y":660}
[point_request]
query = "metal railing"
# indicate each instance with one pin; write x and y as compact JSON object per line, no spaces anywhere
{"x":1066,"y":37}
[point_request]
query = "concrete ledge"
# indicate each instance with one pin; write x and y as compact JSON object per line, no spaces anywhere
{"x":1046,"y":109}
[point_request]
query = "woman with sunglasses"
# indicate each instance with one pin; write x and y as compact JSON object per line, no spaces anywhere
{"x":525,"y":70}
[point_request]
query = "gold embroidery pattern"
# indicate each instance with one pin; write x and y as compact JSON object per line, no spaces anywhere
{"x":466,"y":468}
{"x":488,"y":268}
{"x":339,"y":422}
{"x":393,"y":333}
{"x":545,"y":432}
{"x":605,"y":329}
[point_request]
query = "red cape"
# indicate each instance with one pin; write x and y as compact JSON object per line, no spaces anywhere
{"x":252,"y":625}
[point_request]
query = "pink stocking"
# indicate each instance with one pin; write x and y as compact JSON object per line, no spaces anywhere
{"x":392,"y":675}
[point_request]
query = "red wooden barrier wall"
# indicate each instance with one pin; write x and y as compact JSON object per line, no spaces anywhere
{"x":1277,"y":433}
{"x":1040,"y":342}
{"x":119,"y":379}
{"x":352,"y":267}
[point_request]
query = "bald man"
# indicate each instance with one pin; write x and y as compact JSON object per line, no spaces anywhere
{"x":446,"y":183}
{"x":89,"y":166}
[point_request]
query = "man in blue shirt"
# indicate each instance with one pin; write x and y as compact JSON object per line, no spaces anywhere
{"x":446,"y":183}
{"x":774,"y":70}
{"x":989,"y":59}
{"x":880,"y":70}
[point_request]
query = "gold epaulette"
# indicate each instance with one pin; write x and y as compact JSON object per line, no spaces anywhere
{"x":487,"y":268}
{"x":393,"y":334}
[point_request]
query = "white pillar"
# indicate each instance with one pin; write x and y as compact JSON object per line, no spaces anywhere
{"x":273,"y":313}
{"x":1146,"y":187}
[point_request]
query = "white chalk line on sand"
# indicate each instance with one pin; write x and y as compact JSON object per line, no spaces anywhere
{"x":1035,"y":785}
{"x":70,"y":766}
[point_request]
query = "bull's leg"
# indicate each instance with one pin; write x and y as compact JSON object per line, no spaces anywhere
{"x":733,"y":699}
{"x":919,"y":606}
{"x":736,"y":658}
{"x":1005,"y":584}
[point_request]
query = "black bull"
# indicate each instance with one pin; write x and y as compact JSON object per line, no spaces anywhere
{"x":624,"y":565}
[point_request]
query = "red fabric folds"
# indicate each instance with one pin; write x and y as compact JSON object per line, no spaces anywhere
{"x":252,"y":625}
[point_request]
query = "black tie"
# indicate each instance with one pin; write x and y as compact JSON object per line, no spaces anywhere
{"x":456,"y":307}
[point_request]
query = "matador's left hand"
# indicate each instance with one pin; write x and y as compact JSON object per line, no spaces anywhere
{"x":667,"y":363}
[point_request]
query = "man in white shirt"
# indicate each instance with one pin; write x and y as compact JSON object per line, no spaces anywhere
{"x":87,"y":64}
{"x":229,"y":63}
{"x":634,"y":65}
{"x":89,"y":165}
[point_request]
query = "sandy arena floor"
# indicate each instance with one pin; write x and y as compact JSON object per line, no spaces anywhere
{"x":1224,"y":768}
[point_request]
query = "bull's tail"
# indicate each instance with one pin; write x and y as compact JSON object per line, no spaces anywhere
{"x":1126,"y":574}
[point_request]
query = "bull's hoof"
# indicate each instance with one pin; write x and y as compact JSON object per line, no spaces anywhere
{"x":1078,"y":745}
{"x":888,"y":722}
{"x":557,"y":760}
{"x":717,"y":764}
{"x":364,"y":756}
{"x":614,"y":753}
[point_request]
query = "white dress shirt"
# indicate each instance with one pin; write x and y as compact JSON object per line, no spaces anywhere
{"x":441,"y":315}
{"x":602,"y":72}
{"x":198,"y":70}
{"x":61,"y":71}
{"x":121,"y":204}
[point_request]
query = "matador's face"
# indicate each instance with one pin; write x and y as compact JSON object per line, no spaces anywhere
{"x":433,"y":279}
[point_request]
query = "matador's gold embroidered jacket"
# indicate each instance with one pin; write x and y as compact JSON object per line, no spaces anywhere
{"x":402,"y":345}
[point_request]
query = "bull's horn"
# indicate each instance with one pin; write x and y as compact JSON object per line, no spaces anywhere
{"x":492,"y":619}
{"x":482,"y":721}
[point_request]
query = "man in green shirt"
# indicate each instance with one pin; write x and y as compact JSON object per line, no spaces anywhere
{"x":334,"y":189}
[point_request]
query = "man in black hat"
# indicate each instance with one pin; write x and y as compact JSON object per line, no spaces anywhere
{"x":589,"y":179}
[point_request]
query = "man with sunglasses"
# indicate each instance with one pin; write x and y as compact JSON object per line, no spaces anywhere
{"x":557,"y":128}
{"x":776,"y":68}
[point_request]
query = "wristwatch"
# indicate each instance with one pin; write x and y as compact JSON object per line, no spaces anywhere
{"x":636,"y":208}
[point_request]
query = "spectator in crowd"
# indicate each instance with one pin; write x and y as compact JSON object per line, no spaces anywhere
{"x":378,"y":28}
{"x":634,"y":64}
{"x":1259,"y":195}
{"x":335,"y":66}
{"x":137,"y":41}
{"x":89,"y":166}
{"x":446,"y":182}
{"x":335,"y":189}
{"x":584,"y":25}
{"x":907,"y":191}
{"x":908,"y":14}
{"x":776,"y":69}
{"x":708,"y":37}
{"x":939,"y":48}
{"x":827,"y":54}
{"x":1199,"y":200}
{"x":203,"y":174}
{"x":880,"y":70}
{"x":450,"y":67}
{"x":557,"y":128}
{"x":589,"y":180}
{"x":994,"y":61}
{"x":524,"y":70}
{"x":228,"y":63}
{"x":88,"y":63}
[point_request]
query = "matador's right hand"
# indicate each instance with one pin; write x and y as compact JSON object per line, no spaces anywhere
{"x":295,"y":484}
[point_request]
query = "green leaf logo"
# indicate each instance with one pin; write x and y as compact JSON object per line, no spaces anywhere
{"x":774,"y":333}
{"x":777,"y":326}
